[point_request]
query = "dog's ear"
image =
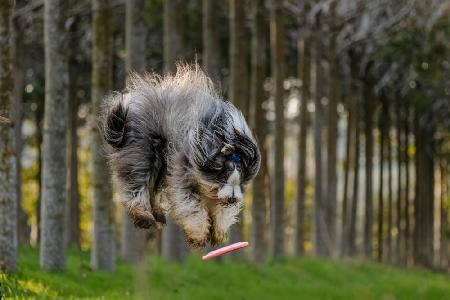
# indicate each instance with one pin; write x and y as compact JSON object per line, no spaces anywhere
{"x":248,"y":151}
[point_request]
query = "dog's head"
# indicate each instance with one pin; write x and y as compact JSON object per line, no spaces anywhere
{"x":224,"y":154}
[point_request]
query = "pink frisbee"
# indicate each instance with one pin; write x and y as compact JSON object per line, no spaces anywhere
{"x":224,"y":250}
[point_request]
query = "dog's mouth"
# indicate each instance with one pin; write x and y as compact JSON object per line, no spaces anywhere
{"x":228,"y":200}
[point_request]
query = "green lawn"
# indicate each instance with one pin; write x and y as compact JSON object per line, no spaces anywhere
{"x":292,"y":279}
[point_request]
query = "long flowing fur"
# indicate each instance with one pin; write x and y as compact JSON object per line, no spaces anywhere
{"x":167,"y":134}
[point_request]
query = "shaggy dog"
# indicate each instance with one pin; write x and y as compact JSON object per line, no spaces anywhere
{"x":175,"y":146}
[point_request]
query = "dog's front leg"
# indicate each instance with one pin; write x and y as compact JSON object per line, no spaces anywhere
{"x":188,"y":212}
{"x":222,"y":217}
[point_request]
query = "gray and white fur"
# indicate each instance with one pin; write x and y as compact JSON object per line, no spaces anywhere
{"x":173,"y":137}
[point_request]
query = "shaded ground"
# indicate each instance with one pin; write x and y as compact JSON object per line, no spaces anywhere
{"x":292,"y":279}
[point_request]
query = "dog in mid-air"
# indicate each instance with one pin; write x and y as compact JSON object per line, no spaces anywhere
{"x":176,"y":146}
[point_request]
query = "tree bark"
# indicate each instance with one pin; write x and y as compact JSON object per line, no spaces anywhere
{"x":8,"y":188}
{"x":134,"y":240}
{"x":72,"y":233}
{"x":304,"y":71}
{"x":173,"y":246}
{"x":398,"y":249}
{"x":54,"y":170}
{"x":211,"y":41}
{"x":103,"y":245}
{"x":19,"y":76}
{"x":349,"y":157}
{"x":331,"y":187}
{"x":382,"y":128}
{"x":368,"y":133}
{"x":238,"y":88}
{"x":444,"y":251}
{"x":277,"y":247}
{"x":406,"y":214}
{"x":353,"y":208}
{"x":424,"y":201}
{"x":390,"y":204}
{"x":258,"y":74}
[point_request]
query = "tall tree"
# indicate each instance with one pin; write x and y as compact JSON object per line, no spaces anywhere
{"x":258,"y":74}
{"x":238,"y":88}
{"x":424,"y":201}
{"x":368,"y":134}
{"x":134,"y":240}
{"x":406,"y":208}
{"x":103,"y":244}
{"x":72,"y":204}
{"x":399,"y":202}
{"x":304,"y":72}
{"x":54,"y":170}
{"x":173,"y":245}
{"x":353,"y":208}
{"x":444,"y":202}
{"x":277,"y":65}
{"x":332,"y":136}
{"x":390,"y":202}
{"x":8,"y":192}
{"x":382,"y":128}
{"x":211,"y":39}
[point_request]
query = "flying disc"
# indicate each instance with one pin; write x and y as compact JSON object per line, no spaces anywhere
{"x":224,"y":250}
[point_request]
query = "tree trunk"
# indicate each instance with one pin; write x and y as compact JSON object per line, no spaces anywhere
{"x":304,"y":68}
{"x":39,"y":115}
{"x":54,"y":170}
{"x":238,"y":88}
{"x":398,"y":249}
{"x":353,"y":208}
{"x":368,"y":132}
{"x":382,"y":128}
{"x":211,"y":41}
{"x":72,"y":233}
{"x":19,"y":76}
{"x":331,"y":187}
{"x":390,"y":205}
{"x":8,"y":188}
{"x":134,"y":240}
{"x":444,"y":216}
{"x":103,"y":245}
{"x":424,"y":201}
{"x":277,"y":64}
{"x":173,"y":245}
{"x":258,"y":74}
{"x":406,"y":214}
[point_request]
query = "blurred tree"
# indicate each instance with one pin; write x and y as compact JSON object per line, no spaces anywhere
{"x":54,"y":170}
{"x":8,"y":188}
{"x":134,"y":240}
{"x":277,"y":247}
{"x":103,"y":243}
{"x":382,"y":143}
{"x":304,"y":73}
{"x":72,"y":234}
{"x":238,"y":87}
{"x":211,"y":40}
{"x":173,"y":245}
{"x":257,"y":97}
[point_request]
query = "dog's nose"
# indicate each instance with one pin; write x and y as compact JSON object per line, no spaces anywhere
{"x":231,"y":200}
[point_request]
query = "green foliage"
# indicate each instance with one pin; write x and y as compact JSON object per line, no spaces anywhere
{"x":291,"y":279}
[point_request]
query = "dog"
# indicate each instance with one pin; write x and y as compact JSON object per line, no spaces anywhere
{"x":175,"y":146}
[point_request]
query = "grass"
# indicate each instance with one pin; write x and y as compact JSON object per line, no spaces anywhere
{"x":305,"y":278}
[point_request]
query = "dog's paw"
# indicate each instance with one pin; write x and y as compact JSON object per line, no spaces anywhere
{"x":197,"y":243}
{"x":142,"y":218}
{"x":217,"y":237}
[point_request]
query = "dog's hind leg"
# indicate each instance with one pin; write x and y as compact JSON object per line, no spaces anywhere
{"x":137,"y":158}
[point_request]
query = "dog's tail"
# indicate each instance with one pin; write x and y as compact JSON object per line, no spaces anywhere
{"x":114,"y":120}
